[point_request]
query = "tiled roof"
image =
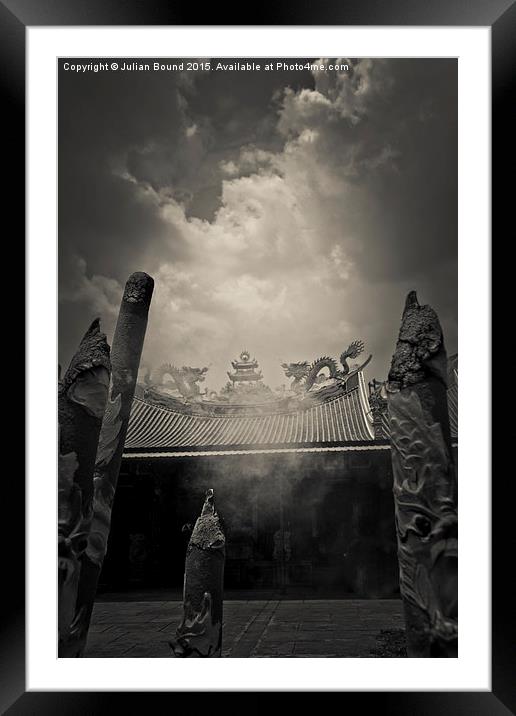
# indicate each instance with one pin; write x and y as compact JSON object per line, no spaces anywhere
{"x":339,"y":420}
{"x":452,"y":407}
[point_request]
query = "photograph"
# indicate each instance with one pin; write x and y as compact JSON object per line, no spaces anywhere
{"x":253,"y":251}
{"x":258,"y":357}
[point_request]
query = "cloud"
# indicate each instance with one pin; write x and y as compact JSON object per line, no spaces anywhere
{"x":251,"y":298}
{"x":291,"y":239}
{"x":338,"y":95}
{"x":100,"y":293}
{"x":250,"y":160}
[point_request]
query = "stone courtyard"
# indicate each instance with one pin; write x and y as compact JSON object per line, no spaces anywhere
{"x":253,"y":628}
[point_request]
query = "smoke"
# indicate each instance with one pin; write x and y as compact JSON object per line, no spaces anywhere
{"x":254,"y":489}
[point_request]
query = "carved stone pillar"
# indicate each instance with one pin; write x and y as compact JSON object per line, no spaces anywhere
{"x":81,"y":403}
{"x":425,"y":484}
{"x":200,"y":632}
{"x":125,"y":359}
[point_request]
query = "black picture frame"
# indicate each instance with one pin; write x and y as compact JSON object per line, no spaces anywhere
{"x":500,"y":15}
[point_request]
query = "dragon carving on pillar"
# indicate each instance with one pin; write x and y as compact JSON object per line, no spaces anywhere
{"x":425,"y":483}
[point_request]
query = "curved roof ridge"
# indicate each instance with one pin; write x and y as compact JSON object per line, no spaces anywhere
{"x":241,"y":410}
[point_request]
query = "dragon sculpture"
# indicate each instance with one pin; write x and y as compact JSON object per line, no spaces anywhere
{"x":298,"y":371}
{"x":305,"y":375}
{"x":185,"y":379}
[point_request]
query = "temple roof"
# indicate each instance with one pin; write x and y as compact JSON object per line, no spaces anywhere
{"x":336,"y":417}
{"x":453,"y":394}
{"x":340,"y":418}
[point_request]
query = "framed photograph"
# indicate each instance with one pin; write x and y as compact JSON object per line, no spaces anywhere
{"x":280,"y":227}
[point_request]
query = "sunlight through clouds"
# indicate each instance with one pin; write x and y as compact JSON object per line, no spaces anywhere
{"x":290,"y":220}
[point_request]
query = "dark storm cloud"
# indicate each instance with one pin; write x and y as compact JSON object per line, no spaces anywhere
{"x":102,"y":118}
{"x":400,"y":161}
{"x":286,"y":211}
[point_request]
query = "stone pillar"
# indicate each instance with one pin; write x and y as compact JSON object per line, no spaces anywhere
{"x":425,"y":484}
{"x":200,"y":632}
{"x":81,"y":403}
{"x":125,"y":358}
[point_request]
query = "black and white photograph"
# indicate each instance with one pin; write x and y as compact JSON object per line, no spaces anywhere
{"x":258,"y":357}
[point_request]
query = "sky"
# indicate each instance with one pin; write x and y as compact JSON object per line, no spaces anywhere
{"x":284,"y":212}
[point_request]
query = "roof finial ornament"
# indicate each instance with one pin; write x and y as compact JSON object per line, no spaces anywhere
{"x":245,"y":370}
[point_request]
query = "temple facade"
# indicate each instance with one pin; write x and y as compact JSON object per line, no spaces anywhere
{"x":302,"y":480}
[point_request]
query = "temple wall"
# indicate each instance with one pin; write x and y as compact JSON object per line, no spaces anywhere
{"x":321,"y":521}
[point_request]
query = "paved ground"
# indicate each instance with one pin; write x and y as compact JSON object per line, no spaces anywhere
{"x":257,"y":628}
